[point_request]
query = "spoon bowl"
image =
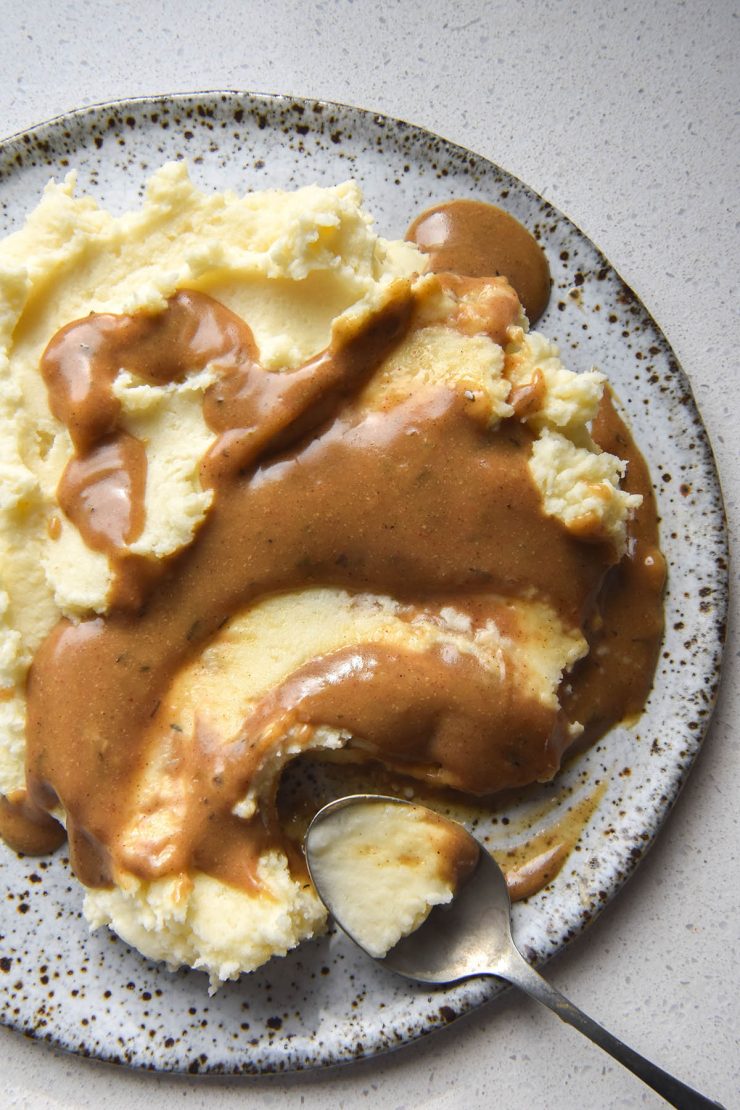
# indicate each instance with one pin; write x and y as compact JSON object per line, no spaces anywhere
{"x":468,"y":934}
{"x":458,"y":939}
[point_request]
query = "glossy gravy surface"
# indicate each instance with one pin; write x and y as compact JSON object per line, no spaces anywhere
{"x":420,"y":501}
{"x":479,"y":240}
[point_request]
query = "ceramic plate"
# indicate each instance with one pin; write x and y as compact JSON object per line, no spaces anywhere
{"x":326,"y":1002}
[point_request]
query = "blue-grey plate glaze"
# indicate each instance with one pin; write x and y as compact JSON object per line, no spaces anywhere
{"x":326,"y":1003}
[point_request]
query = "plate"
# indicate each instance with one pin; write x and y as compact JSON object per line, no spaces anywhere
{"x":326,"y":1002}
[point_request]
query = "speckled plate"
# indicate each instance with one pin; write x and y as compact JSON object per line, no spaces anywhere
{"x":327,"y":1003}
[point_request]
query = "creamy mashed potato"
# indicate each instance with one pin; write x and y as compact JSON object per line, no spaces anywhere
{"x":294,"y":265}
{"x":383,"y":867}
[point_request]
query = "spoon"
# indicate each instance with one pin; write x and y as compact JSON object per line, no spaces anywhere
{"x":469,"y":936}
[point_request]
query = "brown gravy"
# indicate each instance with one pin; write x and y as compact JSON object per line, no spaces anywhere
{"x":27,"y":828}
{"x":612,"y":684}
{"x":536,"y":861}
{"x":481,"y":240}
{"x":308,"y":489}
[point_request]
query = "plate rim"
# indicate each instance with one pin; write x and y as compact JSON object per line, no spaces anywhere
{"x":721,"y":579}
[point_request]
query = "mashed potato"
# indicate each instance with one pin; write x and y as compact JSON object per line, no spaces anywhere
{"x":298,"y":267}
{"x":382,"y":867}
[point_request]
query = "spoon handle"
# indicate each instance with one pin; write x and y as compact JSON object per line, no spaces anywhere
{"x":514,"y":969}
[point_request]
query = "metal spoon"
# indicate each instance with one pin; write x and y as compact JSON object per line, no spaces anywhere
{"x":472,"y":936}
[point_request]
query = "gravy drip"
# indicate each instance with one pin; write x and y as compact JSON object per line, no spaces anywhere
{"x":612,"y":684}
{"x":28,"y":828}
{"x":534,"y":863}
{"x":477,"y":239}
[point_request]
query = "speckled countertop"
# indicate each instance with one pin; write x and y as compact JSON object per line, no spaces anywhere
{"x":624,"y":118}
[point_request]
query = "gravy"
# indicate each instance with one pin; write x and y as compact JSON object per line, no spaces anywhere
{"x":422,"y":502}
